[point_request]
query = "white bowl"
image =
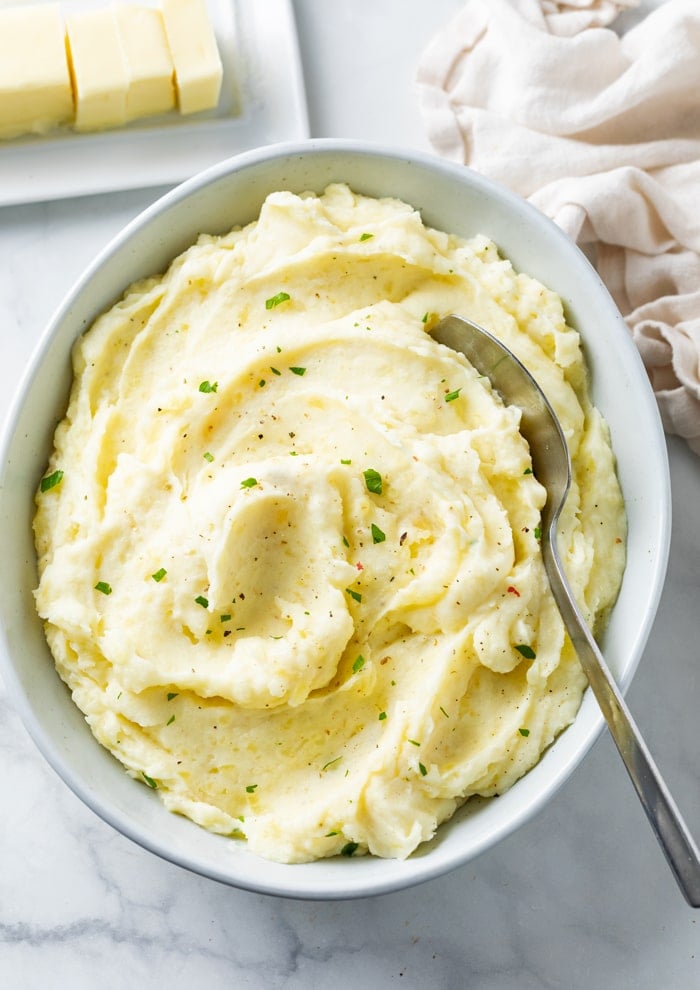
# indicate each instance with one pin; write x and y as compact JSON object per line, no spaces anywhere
{"x":451,"y":198}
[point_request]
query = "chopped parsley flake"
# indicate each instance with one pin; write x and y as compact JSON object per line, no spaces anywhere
{"x":330,"y":763}
{"x":527,"y":471}
{"x":414,"y":742}
{"x":159,"y":574}
{"x":382,"y":716}
{"x":201,"y":600}
{"x":51,"y":480}
{"x":149,"y":780}
{"x":349,"y":849}
{"x":104,"y":587}
{"x":208,"y":386}
{"x":354,"y":594}
{"x":329,"y":834}
{"x":170,"y":720}
{"x":524,"y":732}
{"x":451,"y":396}
{"x":276,"y":300}
{"x":423,"y":771}
{"x":358,"y":664}
{"x":225,"y":617}
{"x":373,"y":480}
{"x":172,"y":694}
{"x":298,"y":371}
{"x":377,"y":535}
{"x":275,"y":371}
{"x":538,"y":532}
{"x":249,"y":483}
{"x":526,"y":651}
{"x":251,"y":788}
{"x":366,"y":237}
{"x":262,"y":383}
{"x":208,"y":457}
{"x":345,"y":460}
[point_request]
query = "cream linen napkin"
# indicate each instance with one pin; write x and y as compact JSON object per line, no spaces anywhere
{"x":602,"y":133}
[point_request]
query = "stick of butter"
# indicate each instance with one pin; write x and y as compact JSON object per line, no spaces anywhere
{"x":98,"y":69}
{"x":150,"y":65}
{"x":35,"y":89}
{"x":198,"y":68}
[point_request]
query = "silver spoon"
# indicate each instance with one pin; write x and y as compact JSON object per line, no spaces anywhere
{"x":552,"y":467}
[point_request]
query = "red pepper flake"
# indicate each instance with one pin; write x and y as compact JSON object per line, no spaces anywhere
{"x":513,"y":591}
{"x":360,"y":566}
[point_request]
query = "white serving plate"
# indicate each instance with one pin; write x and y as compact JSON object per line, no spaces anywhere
{"x":262,"y":102}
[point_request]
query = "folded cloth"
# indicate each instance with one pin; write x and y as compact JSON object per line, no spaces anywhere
{"x":602,"y":133}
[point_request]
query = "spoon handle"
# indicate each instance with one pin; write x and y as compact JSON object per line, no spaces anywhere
{"x":676,"y":841}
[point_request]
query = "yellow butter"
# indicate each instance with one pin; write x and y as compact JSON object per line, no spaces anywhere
{"x":35,"y":90}
{"x":150,"y":66}
{"x":198,"y":68}
{"x":98,"y":69}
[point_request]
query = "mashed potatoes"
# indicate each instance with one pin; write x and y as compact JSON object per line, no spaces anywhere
{"x":288,"y":544}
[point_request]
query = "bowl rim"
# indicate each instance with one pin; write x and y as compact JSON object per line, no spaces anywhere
{"x":289,"y":881}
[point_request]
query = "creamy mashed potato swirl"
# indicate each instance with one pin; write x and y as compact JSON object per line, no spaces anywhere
{"x":288,"y":545}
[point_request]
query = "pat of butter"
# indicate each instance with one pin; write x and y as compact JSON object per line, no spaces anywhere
{"x":35,"y":89}
{"x":150,"y":65}
{"x":98,"y":69}
{"x":198,"y":68}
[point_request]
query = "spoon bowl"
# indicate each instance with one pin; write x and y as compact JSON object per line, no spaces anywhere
{"x":551,"y":465}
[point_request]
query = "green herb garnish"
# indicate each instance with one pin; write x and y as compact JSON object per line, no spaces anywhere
{"x":149,"y":780}
{"x":382,"y":716}
{"x":170,"y":720}
{"x":208,"y":386}
{"x":225,"y":617}
{"x":298,"y":371}
{"x":423,"y":771}
{"x":524,"y":732}
{"x":276,"y":300}
{"x":451,"y":396}
{"x":251,"y":788}
{"x":526,"y":651}
{"x":159,"y":574}
{"x":358,"y":664}
{"x":377,"y":535}
{"x":201,"y":600}
{"x":330,"y":763}
{"x":349,"y":849}
{"x":249,"y":483}
{"x":354,"y":594}
{"x":104,"y":587}
{"x":366,"y":237}
{"x":208,"y":457}
{"x":373,"y":480}
{"x":51,"y":480}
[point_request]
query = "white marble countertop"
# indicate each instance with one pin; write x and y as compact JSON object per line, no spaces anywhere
{"x":580,"y":897}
